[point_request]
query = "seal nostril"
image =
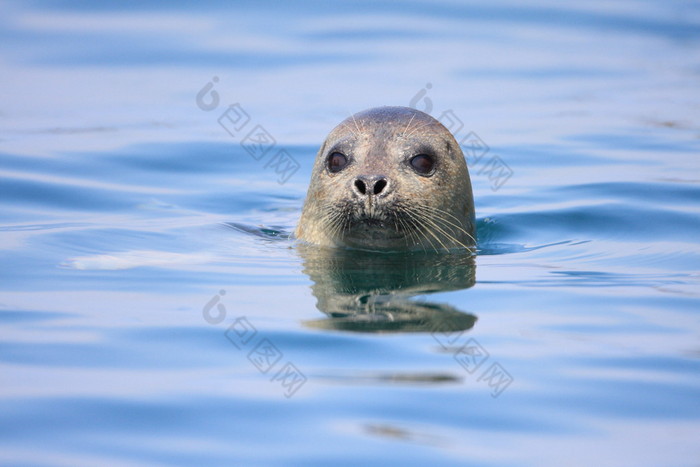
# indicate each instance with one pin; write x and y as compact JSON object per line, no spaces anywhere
{"x":379,"y":186}
{"x":360,"y":185}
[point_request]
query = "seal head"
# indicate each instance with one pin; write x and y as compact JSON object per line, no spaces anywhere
{"x":389,"y":178}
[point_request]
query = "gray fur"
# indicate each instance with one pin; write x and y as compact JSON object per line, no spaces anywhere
{"x":412,"y":211}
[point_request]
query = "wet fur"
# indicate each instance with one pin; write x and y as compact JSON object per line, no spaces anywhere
{"x":414,"y":212}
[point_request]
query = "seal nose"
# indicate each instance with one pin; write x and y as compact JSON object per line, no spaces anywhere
{"x":373,"y":185}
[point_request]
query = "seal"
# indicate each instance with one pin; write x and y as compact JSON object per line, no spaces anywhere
{"x":389,"y":179}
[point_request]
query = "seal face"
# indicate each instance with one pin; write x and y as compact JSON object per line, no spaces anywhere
{"x":389,"y":178}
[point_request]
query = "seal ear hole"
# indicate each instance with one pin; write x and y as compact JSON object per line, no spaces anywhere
{"x":423,"y":164}
{"x":336,"y":162}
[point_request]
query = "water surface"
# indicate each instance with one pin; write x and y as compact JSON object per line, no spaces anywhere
{"x":153,"y":310}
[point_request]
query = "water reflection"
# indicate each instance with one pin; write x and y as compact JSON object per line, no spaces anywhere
{"x":373,"y":292}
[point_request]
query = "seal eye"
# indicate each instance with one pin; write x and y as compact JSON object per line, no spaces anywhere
{"x":337,"y":162}
{"x":422,"y":163}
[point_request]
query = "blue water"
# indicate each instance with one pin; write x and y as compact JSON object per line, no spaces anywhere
{"x":154,"y":311}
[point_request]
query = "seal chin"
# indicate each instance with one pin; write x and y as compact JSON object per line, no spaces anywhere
{"x":370,"y":233}
{"x":372,"y":223}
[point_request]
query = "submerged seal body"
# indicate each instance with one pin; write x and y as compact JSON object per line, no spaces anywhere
{"x":389,"y":178}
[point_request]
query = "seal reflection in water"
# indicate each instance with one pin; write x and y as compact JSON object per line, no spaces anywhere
{"x":390,"y":179}
{"x":368,"y":292}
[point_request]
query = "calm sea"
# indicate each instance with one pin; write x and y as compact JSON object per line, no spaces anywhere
{"x":154,"y":158}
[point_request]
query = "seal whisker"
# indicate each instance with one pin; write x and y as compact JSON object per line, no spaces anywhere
{"x":337,"y":218}
{"x":418,"y":127}
{"x":338,"y":225}
{"x":403,"y":215}
{"x":408,"y":124}
{"x":399,"y":226}
{"x":349,"y":128}
{"x":437,"y":212}
{"x":332,"y":226}
{"x":440,"y":214}
{"x":411,"y":233}
{"x":459,"y":226}
{"x":420,"y":228}
{"x":344,"y":223}
{"x":427,"y":231}
{"x":427,"y":222}
{"x":433,"y":221}
{"x":445,"y":233}
{"x":356,"y":125}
